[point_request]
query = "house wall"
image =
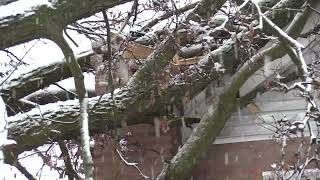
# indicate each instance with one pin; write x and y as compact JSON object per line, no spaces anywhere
{"x":246,"y":160}
{"x":244,"y":148}
{"x":145,"y":148}
{"x":230,"y":161}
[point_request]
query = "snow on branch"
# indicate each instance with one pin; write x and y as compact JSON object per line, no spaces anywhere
{"x":286,"y":128}
{"x":131,"y":164}
{"x":16,"y":88}
{"x":281,"y":33}
{"x":17,"y":25}
{"x":35,"y":128}
{"x":295,"y":44}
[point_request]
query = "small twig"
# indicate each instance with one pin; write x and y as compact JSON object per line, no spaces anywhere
{"x":100,"y":35}
{"x":97,"y":103}
{"x":222,"y":26}
{"x":168,"y":14}
{"x":31,"y":154}
{"x":260,"y":26}
{"x":12,"y":54}
{"x":134,"y":9}
{"x":313,"y":9}
{"x":47,"y":161}
{"x":108,"y":57}
{"x":131,"y":164}
{"x":65,"y":89}
{"x":19,"y":63}
{"x":174,"y":10}
{"x":244,"y":4}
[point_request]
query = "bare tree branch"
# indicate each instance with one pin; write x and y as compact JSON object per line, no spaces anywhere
{"x":133,"y":11}
{"x":131,"y":164}
{"x":17,"y":29}
{"x":24,"y":171}
{"x":82,"y":93}
{"x":72,"y":174}
{"x":167,"y":15}
{"x":130,"y":104}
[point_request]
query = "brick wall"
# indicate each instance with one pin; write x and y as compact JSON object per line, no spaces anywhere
{"x":233,"y":161}
{"x":241,"y":161}
{"x":144,"y":148}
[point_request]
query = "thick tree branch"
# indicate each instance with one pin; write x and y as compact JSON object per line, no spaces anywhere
{"x":42,"y":77}
{"x":39,"y":78}
{"x":78,"y":77}
{"x":279,"y":50}
{"x":24,"y":171}
{"x":19,"y":28}
{"x":289,"y":43}
{"x":72,"y":174}
{"x":47,"y":96}
{"x":58,"y":121}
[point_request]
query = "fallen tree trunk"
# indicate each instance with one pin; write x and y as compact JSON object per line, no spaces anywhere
{"x":59,"y":121}
{"x":33,"y":129}
{"x":42,"y":77}
{"x":27,"y":83}
{"x":36,"y":22}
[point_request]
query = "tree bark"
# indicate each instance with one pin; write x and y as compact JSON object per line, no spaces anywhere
{"x":59,"y":121}
{"x":82,"y":93}
{"x":42,"y":77}
{"x":27,"y":83}
{"x":20,"y":28}
{"x":71,"y":173}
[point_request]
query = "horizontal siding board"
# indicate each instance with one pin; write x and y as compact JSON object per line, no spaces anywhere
{"x":244,"y":125}
{"x":244,"y":120}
